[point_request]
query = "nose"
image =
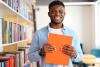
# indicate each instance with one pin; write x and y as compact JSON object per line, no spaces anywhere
{"x":57,"y":13}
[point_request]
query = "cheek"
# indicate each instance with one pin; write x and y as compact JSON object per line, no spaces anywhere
{"x":50,"y":15}
{"x":63,"y":15}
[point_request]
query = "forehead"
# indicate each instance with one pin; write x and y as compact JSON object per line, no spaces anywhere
{"x":57,"y":7}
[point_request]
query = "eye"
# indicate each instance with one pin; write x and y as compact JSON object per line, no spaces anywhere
{"x":61,"y":11}
{"x":53,"y":12}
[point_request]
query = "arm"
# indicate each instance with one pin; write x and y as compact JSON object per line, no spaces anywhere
{"x":73,"y":51}
{"x":33,"y":50}
{"x":77,"y":47}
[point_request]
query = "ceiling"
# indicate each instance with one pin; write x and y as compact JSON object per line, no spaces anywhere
{"x":46,"y":2}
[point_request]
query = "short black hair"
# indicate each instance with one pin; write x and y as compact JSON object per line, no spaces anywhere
{"x":56,"y":2}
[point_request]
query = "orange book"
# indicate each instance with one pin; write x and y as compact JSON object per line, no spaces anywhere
{"x":57,"y":57}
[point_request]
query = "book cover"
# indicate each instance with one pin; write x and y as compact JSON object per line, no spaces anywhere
{"x":57,"y":57}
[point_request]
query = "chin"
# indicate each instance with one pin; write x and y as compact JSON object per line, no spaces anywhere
{"x":58,"y":22}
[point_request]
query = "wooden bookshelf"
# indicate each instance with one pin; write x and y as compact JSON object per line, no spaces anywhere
{"x":18,"y":42}
{"x":13,"y":47}
{"x":4,"y":59}
{"x":15,"y":21}
{"x":10,"y":14}
{"x":15,"y":51}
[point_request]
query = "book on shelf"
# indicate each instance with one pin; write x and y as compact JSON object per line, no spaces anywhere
{"x":11,"y":32}
{"x":11,"y":35}
{"x":2,"y":62}
{"x":19,"y":6}
{"x":16,"y":58}
{"x":11,"y":60}
{"x":57,"y":41}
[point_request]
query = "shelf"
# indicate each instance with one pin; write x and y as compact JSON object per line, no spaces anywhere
{"x":5,"y":10}
{"x":3,"y":59}
{"x":18,"y":42}
{"x":13,"y":47}
{"x":79,"y":3}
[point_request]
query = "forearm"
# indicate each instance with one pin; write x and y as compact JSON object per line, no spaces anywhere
{"x":78,"y":58}
{"x":33,"y":56}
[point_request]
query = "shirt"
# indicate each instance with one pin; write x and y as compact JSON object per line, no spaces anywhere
{"x":41,"y":36}
{"x":56,"y":31}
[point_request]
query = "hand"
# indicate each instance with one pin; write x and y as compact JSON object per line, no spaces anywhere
{"x":69,"y":50}
{"x":46,"y":48}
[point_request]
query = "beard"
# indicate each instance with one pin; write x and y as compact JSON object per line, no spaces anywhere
{"x":57,"y":20}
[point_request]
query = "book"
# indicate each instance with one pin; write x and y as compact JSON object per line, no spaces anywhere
{"x":57,"y":57}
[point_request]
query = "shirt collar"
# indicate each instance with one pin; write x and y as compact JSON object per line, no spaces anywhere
{"x":63,"y":28}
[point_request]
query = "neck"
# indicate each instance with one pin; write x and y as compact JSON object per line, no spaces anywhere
{"x":56,"y":26}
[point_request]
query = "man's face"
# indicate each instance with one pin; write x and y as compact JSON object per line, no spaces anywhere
{"x":57,"y":14}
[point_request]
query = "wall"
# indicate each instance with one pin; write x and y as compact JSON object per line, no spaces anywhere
{"x":77,"y":18}
{"x":97,"y":25}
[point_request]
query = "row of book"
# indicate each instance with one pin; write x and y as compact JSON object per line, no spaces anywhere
{"x":14,"y":59}
{"x":11,"y":32}
{"x":20,"y":7}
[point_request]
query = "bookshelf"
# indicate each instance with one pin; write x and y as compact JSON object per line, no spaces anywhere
{"x":16,"y":24}
{"x":10,"y":14}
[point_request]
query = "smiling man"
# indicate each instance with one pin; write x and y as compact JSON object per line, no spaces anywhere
{"x":40,"y":46}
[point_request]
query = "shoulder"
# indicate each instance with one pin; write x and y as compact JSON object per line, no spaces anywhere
{"x":69,"y":31}
{"x":41,"y":31}
{"x":44,"y":29}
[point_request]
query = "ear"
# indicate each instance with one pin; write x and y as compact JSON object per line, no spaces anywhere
{"x":49,"y":14}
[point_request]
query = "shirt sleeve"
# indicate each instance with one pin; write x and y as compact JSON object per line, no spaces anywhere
{"x":76,"y":44}
{"x":33,"y":50}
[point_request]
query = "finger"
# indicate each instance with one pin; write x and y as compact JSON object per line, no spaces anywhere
{"x":50,"y":49}
{"x":66,"y":45}
{"x":66,"y":51}
{"x":70,"y":48}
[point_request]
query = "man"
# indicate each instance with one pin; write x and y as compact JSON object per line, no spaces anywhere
{"x":39,"y":42}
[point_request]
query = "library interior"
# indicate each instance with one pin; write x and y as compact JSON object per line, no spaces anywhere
{"x":20,"y":19}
